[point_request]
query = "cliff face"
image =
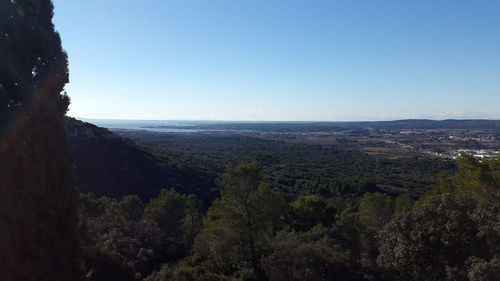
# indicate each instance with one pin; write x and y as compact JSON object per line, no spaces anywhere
{"x":108,"y":165}
{"x":87,"y":132}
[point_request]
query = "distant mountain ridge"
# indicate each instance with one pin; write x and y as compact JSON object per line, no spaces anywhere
{"x":435,"y":124}
{"x":405,"y":124}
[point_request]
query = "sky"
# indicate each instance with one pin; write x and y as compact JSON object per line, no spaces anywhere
{"x":282,"y":60}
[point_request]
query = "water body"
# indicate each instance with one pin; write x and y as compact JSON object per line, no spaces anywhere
{"x":179,"y":126}
{"x":148,"y":125}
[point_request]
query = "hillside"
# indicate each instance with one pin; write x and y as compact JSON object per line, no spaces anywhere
{"x":108,"y":165}
{"x":299,"y":167}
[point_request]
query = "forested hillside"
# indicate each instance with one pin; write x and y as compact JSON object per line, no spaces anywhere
{"x":108,"y":165}
{"x":141,"y":163}
{"x":298,"y":168}
{"x":255,"y":232}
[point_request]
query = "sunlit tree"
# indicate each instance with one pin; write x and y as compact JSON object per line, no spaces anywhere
{"x":242,"y":221}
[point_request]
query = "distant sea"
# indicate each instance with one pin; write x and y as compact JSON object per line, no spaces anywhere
{"x":204,"y":125}
{"x":175,"y":126}
{"x":149,"y":125}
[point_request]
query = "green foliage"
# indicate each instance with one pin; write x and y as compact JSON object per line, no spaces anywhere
{"x":164,"y":274}
{"x":167,"y":210}
{"x":118,"y":235}
{"x":91,"y":206}
{"x":433,"y":241}
{"x":193,"y":220}
{"x":190,"y":269}
{"x":375,"y":210}
{"x":111,"y":166}
{"x":402,"y":204}
{"x":452,"y":233}
{"x":38,"y":218}
{"x":313,"y":255}
{"x":482,"y":270}
{"x":298,"y":167}
{"x":308,"y":211}
{"x":105,"y":266}
{"x":178,"y":217}
{"x":252,"y":233}
{"x":487,"y":218}
{"x":349,"y":188}
{"x":473,"y":179}
{"x":129,"y":236}
{"x":33,"y":64}
{"x":240,"y":223}
{"x":131,"y":207}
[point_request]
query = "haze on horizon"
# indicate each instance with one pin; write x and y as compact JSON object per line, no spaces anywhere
{"x":279,"y":60}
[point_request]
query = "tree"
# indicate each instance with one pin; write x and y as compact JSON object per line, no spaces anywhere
{"x":375,"y":210}
{"x":241,"y":222}
{"x":479,"y":181}
{"x":482,"y":270}
{"x":193,"y":220}
{"x":190,"y":269}
{"x":431,"y":242}
{"x":130,"y":207}
{"x":38,"y":238}
{"x":314,"y":255}
{"x":310,"y":210}
{"x":105,"y":266}
{"x":402,"y":204}
{"x":117,"y":241}
{"x":452,"y":232}
{"x":179,"y":218}
{"x":168,"y":210}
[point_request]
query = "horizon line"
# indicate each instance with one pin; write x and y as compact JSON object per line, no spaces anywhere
{"x":290,"y":121}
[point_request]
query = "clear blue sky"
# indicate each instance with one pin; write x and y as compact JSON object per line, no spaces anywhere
{"x":282,"y":60}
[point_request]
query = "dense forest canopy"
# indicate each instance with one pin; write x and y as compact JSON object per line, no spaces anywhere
{"x":255,"y":232}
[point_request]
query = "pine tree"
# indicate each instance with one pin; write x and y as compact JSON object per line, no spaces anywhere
{"x":241,"y":222}
{"x":38,"y":218}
